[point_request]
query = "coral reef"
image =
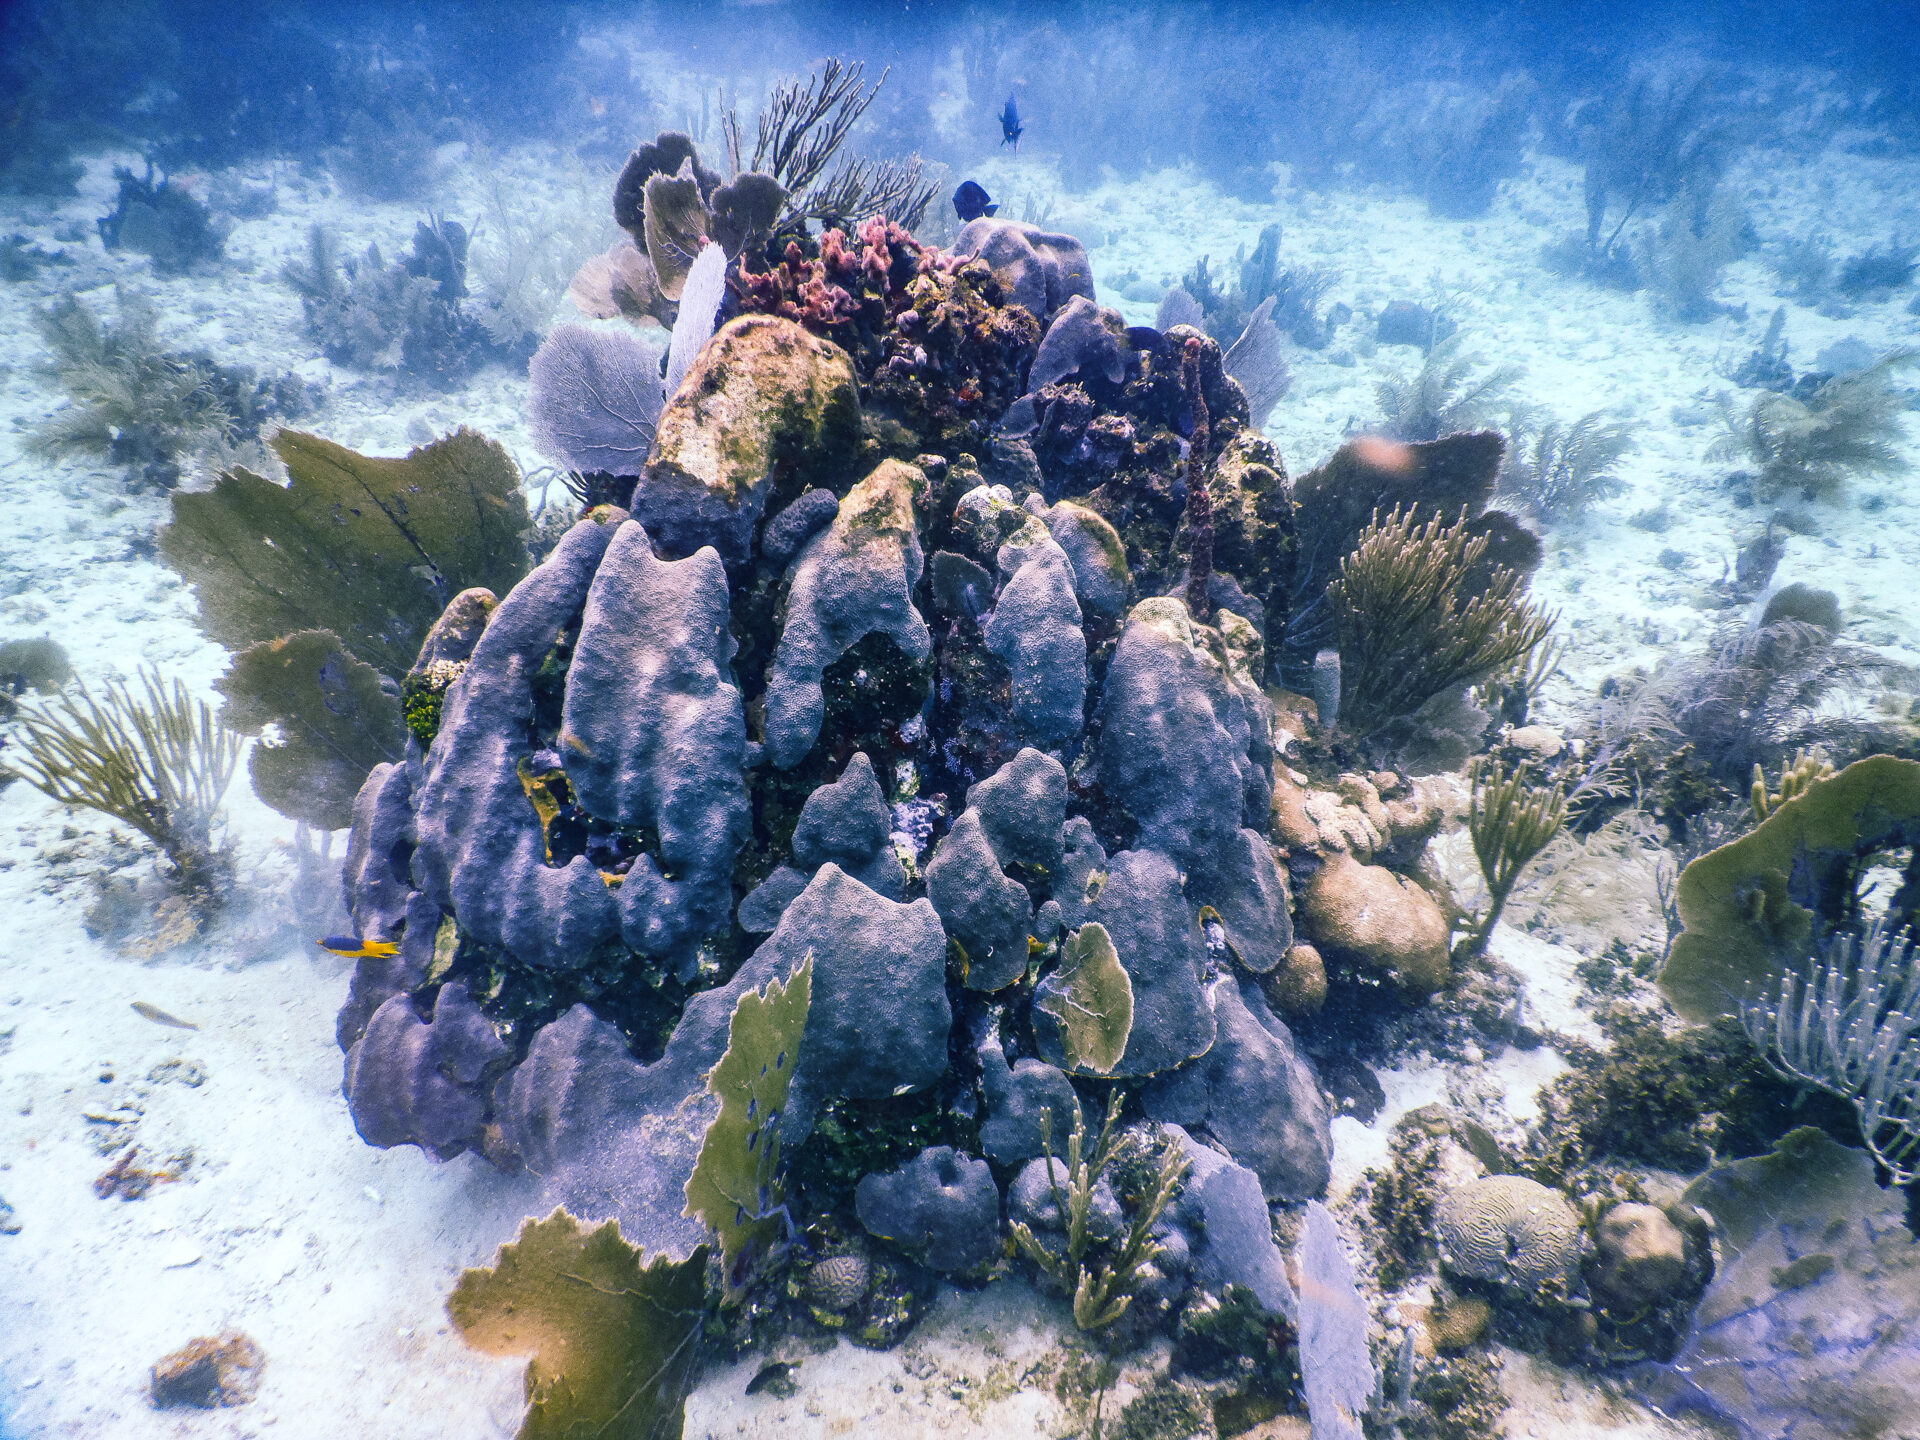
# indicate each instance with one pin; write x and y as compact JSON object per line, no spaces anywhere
{"x":1103,"y":1290}
{"x":594,"y":399}
{"x":1511,"y":822}
{"x":913,"y":657}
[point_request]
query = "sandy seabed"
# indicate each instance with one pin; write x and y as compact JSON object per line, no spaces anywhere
{"x":337,"y":1258}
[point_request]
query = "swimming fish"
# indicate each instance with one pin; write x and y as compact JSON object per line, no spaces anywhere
{"x":161,"y":1017}
{"x":970,"y":202}
{"x":1010,"y":127}
{"x":354,"y":948}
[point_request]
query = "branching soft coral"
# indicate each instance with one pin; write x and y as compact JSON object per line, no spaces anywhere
{"x":146,"y":407}
{"x":1557,"y":469}
{"x":1410,"y":623}
{"x":1445,"y":398}
{"x":1850,"y":426}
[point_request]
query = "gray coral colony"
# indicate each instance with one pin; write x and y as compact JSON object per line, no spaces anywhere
{"x":717,"y":731}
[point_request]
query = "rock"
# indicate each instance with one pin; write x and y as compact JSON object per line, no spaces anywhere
{"x":1642,"y":1258}
{"x":1540,"y":741}
{"x":1254,"y":1094}
{"x":208,"y":1372}
{"x":942,"y":1208}
{"x":1511,"y":1231}
{"x":853,"y":579}
{"x":764,"y":399}
{"x":1373,"y":917}
{"x":1037,"y":269}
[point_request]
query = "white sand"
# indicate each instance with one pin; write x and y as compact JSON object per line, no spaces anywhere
{"x":335,"y":1257}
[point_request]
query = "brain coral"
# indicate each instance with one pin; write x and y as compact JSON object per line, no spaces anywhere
{"x":1511,"y":1230}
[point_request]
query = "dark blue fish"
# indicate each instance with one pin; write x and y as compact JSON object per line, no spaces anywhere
{"x":1010,"y":127}
{"x":970,"y":202}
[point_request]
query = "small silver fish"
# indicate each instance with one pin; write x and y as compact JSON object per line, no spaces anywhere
{"x":161,"y":1017}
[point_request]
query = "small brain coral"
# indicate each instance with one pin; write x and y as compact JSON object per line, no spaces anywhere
{"x":1512,"y":1231}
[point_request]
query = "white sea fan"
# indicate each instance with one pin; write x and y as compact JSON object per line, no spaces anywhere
{"x":700,"y":301}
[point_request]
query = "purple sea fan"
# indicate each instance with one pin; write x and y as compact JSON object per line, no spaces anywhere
{"x":594,"y":398}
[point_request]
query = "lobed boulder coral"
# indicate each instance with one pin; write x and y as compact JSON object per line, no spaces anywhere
{"x":930,"y":646}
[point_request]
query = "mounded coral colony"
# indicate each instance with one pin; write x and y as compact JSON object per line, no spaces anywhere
{"x":927,"y":638}
{"x":887,"y":836}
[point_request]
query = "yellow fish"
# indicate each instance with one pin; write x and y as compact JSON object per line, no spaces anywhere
{"x":355,"y":948}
